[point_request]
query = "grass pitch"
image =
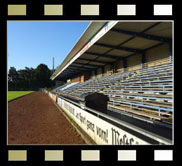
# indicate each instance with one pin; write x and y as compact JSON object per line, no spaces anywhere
{"x":16,"y":94}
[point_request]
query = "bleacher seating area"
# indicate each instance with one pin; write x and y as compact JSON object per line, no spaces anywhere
{"x":145,"y":93}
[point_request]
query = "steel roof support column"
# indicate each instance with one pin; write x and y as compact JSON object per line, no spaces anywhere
{"x":143,"y":60}
{"x":124,"y":64}
{"x":95,"y":72}
{"x":102,"y":70}
{"x":170,"y":53}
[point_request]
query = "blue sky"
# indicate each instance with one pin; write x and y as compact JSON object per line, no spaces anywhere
{"x":32,"y":43}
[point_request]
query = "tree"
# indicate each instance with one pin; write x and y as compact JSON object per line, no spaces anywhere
{"x":12,"y":78}
{"x":13,"y":74}
{"x":42,"y":75}
{"x":29,"y":78}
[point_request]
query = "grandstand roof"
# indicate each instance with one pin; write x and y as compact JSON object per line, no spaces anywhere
{"x":105,"y":43}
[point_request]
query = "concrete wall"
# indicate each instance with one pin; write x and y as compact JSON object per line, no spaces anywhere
{"x":107,"y":70}
{"x":92,"y":74}
{"x":76,"y":79}
{"x":86,"y":76}
{"x":133,"y":62}
{"x":118,"y":67}
{"x":99,"y":72}
{"x":81,"y":78}
{"x":158,"y":55}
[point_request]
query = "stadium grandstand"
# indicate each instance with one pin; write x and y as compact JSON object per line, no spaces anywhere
{"x":131,"y":65}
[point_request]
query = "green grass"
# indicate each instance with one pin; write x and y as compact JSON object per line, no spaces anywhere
{"x":15,"y":94}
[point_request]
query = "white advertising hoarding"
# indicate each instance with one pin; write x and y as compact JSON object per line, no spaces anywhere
{"x":101,"y":131}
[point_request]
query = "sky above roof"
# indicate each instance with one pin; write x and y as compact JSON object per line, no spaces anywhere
{"x":31,"y":43}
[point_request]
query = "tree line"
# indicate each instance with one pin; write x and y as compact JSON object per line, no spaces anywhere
{"x":30,"y":78}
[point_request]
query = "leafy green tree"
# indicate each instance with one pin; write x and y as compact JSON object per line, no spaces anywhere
{"x":12,"y":78}
{"x":30,"y":78}
{"x":42,"y":75}
{"x":13,"y":74}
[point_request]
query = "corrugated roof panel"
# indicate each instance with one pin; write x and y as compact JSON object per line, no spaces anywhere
{"x":119,"y":53}
{"x":162,"y":30}
{"x":81,"y":61}
{"x":113,"y":38}
{"x":79,"y":65}
{"x":98,"y":49}
{"x":105,"y":59}
{"x":88,"y":56}
{"x":140,"y":43}
{"x":134,"y":26}
{"x":96,"y":63}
